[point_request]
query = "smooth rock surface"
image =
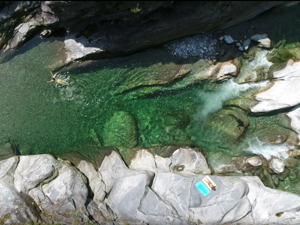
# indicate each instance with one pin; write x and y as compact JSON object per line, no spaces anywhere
{"x":277,"y":165}
{"x":32,"y":170}
{"x":284,"y":92}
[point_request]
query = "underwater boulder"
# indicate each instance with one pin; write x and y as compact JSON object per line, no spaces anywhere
{"x":120,"y":131}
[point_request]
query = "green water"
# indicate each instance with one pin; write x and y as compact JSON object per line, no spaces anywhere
{"x":123,"y":102}
{"x":45,"y":117}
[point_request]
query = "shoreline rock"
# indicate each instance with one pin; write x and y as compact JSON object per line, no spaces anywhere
{"x":58,"y":192}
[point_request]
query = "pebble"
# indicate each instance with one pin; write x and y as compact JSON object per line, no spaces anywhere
{"x":228,"y":39}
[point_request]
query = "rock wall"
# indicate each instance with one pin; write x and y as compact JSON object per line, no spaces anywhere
{"x":108,"y":29}
{"x":153,"y":190}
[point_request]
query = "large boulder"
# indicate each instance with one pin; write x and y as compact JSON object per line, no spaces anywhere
{"x":32,"y":170}
{"x":284,"y":92}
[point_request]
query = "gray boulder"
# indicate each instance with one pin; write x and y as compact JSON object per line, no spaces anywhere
{"x":63,"y":199}
{"x":32,"y":170}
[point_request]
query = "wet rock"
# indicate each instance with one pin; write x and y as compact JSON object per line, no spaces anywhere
{"x":226,"y":124}
{"x":120,"y":131}
{"x":262,"y":39}
{"x":276,"y":165}
{"x":228,"y":39}
{"x":45,"y":33}
{"x":284,"y":91}
{"x":256,"y":69}
{"x":291,"y":162}
{"x":293,"y":174}
{"x":32,"y":170}
{"x":275,"y":180}
{"x":283,"y":175}
{"x":6,"y":151}
{"x":254,"y":161}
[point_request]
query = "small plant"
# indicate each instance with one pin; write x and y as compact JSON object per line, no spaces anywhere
{"x":136,"y":9}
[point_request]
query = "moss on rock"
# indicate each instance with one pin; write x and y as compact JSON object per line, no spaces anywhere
{"x":120,"y":131}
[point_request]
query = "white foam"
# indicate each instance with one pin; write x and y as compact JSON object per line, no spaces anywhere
{"x":268,"y":150}
{"x":213,"y":101}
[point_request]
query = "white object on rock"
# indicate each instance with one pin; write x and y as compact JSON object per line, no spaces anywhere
{"x":262,"y":39}
{"x":228,"y":39}
{"x":277,"y":165}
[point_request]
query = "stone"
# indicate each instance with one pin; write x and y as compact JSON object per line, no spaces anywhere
{"x":143,"y":160}
{"x":76,"y":50}
{"x":254,"y":161}
{"x":32,"y":170}
{"x":283,"y":93}
{"x":113,"y":167}
{"x":227,"y":70}
{"x":190,"y":160}
{"x":262,"y":39}
{"x":126,"y":195}
{"x":64,"y":197}
{"x":246,"y":44}
{"x":290,"y":162}
{"x":295,"y":125}
{"x":6,"y":151}
{"x":276,"y":164}
{"x":8,"y":166}
{"x":94,"y":211}
{"x":16,"y":208}
{"x":241,"y":48}
{"x":228,"y":39}
{"x":95,"y":182}
{"x":162,"y":164}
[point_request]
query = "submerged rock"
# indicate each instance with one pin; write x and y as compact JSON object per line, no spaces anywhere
{"x":120,"y":131}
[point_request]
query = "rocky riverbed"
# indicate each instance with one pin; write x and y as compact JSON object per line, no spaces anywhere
{"x":152,"y":190}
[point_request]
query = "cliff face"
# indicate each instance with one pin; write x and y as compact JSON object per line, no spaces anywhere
{"x":117,"y":27}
